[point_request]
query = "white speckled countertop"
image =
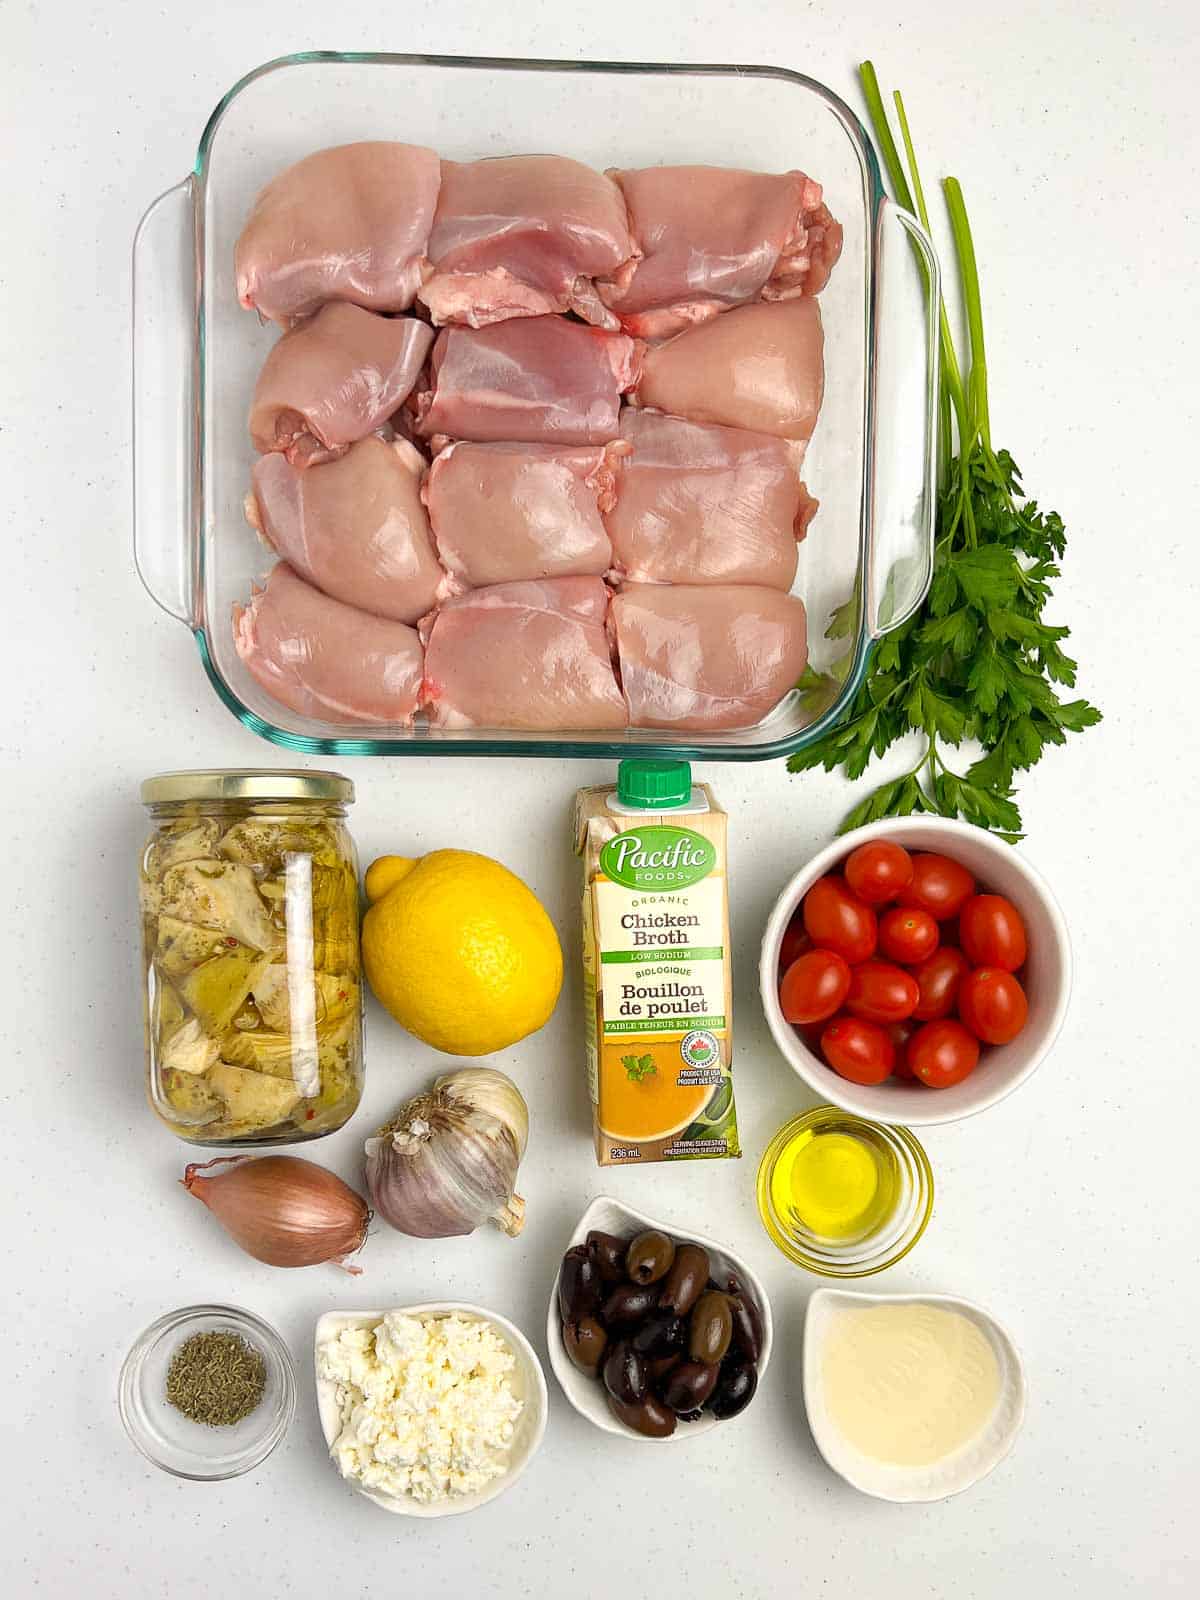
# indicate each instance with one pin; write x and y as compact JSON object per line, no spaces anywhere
{"x":1069,"y":1210}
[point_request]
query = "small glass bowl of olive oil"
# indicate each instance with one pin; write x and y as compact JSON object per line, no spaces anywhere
{"x":842,"y":1196}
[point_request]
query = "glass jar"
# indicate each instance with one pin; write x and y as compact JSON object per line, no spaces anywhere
{"x":253,"y":990}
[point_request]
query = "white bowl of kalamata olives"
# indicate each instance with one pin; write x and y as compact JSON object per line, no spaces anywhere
{"x":654,"y":1331}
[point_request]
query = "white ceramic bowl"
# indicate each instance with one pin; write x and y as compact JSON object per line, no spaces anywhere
{"x":1000,"y":869}
{"x":955,"y":1472}
{"x":586,"y":1394}
{"x":529,"y":1384}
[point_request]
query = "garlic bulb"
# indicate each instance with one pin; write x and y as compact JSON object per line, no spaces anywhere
{"x":448,"y":1160}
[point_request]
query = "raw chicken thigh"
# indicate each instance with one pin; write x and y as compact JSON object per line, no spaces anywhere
{"x":713,"y":237}
{"x":335,"y":379}
{"x":706,"y":658}
{"x":355,"y":528}
{"x":350,"y":223}
{"x":523,"y":655}
{"x":760,"y":367}
{"x":540,"y":380}
{"x":517,"y":236}
{"x":509,"y":511}
{"x":327,"y":660}
{"x":702,"y":504}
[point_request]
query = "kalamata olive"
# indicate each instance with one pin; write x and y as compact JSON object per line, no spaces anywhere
{"x":747,"y":1323}
{"x":711,"y":1327}
{"x":690,"y":1416}
{"x":660,"y":1332}
{"x":579,"y":1285}
{"x":628,"y":1303}
{"x":658,"y":1367}
{"x":648,"y":1416}
{"x":625,"y":1375}
{"x":608,"y":1252}
{"x":585,"y":1341}
{"x":690,"y":1385}
{"x":735,"y":1389}
{"x":649,"y":1257}
{"x":685,"y":1282}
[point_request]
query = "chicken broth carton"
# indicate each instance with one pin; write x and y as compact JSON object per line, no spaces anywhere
{"x":657,"y":971}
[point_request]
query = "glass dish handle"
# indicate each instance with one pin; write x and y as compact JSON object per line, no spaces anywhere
{"x":903,"y":481}
{"x":164,"y":399}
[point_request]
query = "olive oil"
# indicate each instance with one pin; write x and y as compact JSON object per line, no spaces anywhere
{"x":842,"y":1196}
{"x":835,"y":1179}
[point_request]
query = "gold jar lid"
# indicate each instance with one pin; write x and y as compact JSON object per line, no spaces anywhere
{"x":247,"y":783}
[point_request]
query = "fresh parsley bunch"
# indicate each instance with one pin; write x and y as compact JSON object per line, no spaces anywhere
{"x":978,"y":661}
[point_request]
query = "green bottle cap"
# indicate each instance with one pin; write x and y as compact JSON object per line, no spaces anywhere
{"x":654,"y":785}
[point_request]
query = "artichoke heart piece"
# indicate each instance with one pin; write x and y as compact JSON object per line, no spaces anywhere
{"x":334,"y":890}
{"x":340,"y":1090}
{"x":187,"y":841}
{"x":220,"y":894}
{"x":288,"y":1055}
{"x":149,"y":898}
{"x":252,"y":1097}
{"x":191,"y":1101}
{"x":258,"y":842}
{"x":216,"y":991}
{"x":335,"y":995}
{"x":335,"y":920}
{"x":182,"y":946}
{"x":189,"y":1049}
{"x":166,"y":1008}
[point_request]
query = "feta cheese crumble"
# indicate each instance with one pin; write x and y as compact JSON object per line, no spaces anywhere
{"x":427,"y":1406}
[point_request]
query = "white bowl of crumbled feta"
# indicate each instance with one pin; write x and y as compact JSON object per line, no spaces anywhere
{"x":429,"y":1410}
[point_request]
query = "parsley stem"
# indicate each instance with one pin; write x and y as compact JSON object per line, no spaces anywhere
{"x":964,"y":246}
{"x":951,"y":376}
{"x":883,"y":132}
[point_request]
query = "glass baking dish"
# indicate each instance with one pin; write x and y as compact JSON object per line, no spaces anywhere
{"x":872,"y":461}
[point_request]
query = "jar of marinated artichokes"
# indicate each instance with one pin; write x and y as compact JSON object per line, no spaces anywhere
{"x":253,"y":994}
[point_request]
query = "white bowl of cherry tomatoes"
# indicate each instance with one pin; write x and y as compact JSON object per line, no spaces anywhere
{"x":916,"y":971}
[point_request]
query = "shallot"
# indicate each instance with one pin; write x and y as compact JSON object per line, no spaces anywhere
{"x":281,"y":1210}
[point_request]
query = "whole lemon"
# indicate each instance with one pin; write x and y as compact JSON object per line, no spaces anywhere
{"x":459,"y":951}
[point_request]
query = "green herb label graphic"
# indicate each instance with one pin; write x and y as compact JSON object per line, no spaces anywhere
{"x":638,"y":1067}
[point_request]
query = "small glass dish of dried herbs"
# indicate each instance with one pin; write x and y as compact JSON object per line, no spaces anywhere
{"x":207,"y":1392}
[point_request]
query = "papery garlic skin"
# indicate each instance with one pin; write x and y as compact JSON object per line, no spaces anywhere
{"x":448,"y":1160}
{"x":492,"y":1091}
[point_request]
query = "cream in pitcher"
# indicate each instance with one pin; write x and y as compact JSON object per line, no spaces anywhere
{"x":658,"y":995}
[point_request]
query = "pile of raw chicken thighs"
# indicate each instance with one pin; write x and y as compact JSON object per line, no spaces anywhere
{"x":573,"y":501}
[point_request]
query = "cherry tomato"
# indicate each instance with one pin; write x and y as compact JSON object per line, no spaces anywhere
{"x":858,"y":1051}
{"x":881,"y":992}
{"x":836,"y":920}
{"x":938,"y":978}
{"x":907,"y":935}
{"x":900,"y":1033}
{"x":794,"y":943}
{"x":811,"y":1033}
{"x":877,"y":872}
{"x":814,"y":986}
{"x":992,"y":932}
{"x":992,"y":1004}
{"x":942,"y":1053}
{"x":939,"y":886}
